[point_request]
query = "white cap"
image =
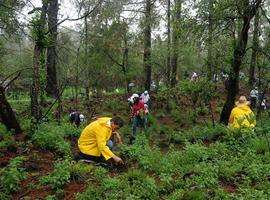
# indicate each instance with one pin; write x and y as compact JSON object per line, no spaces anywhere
{"x":81,"y":116}
{"x":135,"y":95}
{"x":145,"y":92}
{"x":130,"y":99}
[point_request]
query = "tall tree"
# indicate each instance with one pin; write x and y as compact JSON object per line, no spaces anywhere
{"x":210,"y":40}
{"x":175,"y":40}
{"x":169,"y":41}
{"x":7,"y":116}
{"x":51,"y":84}
{"x":38,"y":60}
{"x":255,"y":47}
{"x":147,"y":44}
{"x":8,"y":25}
{"x":247,"y":12}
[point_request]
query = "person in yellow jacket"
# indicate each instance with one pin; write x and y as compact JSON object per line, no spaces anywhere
{"x":93,"y":139}
{"x":242,"y":115}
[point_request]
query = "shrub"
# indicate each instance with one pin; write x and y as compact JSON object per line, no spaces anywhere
{"x":79,"y":171}
{"x":51,"y":137}
{"x":12,"y":175}
{"x":60,"y":176}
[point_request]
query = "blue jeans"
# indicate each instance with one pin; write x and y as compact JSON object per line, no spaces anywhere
{"x":136,"y":122}
{"x":110,"y":144}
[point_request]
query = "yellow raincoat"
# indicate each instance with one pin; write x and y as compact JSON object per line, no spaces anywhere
{"x":242,"y":116}
{"x":94,"y":137}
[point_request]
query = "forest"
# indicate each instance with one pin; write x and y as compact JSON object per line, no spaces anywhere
{"x":198,"y":60}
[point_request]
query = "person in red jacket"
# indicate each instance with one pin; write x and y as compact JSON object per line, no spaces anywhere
{"x":138,"y":112}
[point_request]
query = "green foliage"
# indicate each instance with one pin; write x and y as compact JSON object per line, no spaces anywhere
{"x":6,"y":139}
{"x":50,"y":136}
{"x":12,"y":175}
{"x":79,"y":171}
{"x":199,"y":91}
{"x":114,"y":105}
{"x":133,"y":185}
{"x":199,"y":133}
{"x":60,"y":176}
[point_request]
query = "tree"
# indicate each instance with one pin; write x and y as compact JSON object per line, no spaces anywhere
{"x":175,"y":40}
{"x":210,"y":40}
{"x":51,"y":83}
{"x":38,"y":60}
{"x":247,"y":11}
{"x":255,"y":48}
{"x":147,"y":44}
{"x":168,"y":42}
{"x":7,"y":116}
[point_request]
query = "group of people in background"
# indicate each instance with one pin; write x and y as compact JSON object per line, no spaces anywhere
{"x":257,"y":99}
{"x":100,"y":136}
{"x":139,"y":105}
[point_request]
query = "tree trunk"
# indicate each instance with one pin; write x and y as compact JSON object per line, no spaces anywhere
{"x":87,"y":97}
{"x":37,"y":62}
{"x":51,"y":84}
{"x":239,"y":52}
{"x":147,"y":46}
{"x":253,"y":63}
{"x":175,"y":40}
{"x":210,"y":41}
{"x":7,"y":115}
{"x":169,"y":42}
{"x":125,"y":62}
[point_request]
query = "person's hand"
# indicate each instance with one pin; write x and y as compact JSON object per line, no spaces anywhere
{"x":118,"y":160}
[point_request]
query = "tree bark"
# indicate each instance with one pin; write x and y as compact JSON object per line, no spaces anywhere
{"x":239,"y":52}
{"x":169,"y":42}
{"x":7,"y":115}
{"x":51,"y":84}
{"x":210,"y":41}
{"x":147,"y":46}
{"x":253,"y":63}
{"x":37,"y":62}
{"x":175,"y":40}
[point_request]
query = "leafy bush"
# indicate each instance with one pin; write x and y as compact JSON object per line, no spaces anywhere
{"x":7,"y":140}
{"x":12,"y":175}
{"x":79,"y":171}
{"x":60,"y":176}
{"x":49,"y":136}
{"x":133,"y":185}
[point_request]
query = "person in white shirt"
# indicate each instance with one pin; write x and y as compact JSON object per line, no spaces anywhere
{"x":145,"y":97}
{"x":194,"y":76}
{"x":254,"y":95}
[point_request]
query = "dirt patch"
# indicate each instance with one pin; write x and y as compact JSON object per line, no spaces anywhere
{"x":228,"y":186}
{"x":72,"y":188}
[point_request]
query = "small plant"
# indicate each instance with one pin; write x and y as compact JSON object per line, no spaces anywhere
{"x":52,"y":137}
{"x":79,"y":171}
{"x":60,"y":176}
{"x":12,"y":175}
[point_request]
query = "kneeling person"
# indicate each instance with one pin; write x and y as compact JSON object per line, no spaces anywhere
{"x":94,"y":138}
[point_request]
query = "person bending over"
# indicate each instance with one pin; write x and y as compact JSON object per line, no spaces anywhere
{"x":94,"y":138}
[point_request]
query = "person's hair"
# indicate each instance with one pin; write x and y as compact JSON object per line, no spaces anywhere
{"x":118,"y":121}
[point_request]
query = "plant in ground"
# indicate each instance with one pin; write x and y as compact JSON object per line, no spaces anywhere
{"x":79,"y":171}
{"x":49,"y":136}
{"x":12,"y":175}
{"x":60,"y":176}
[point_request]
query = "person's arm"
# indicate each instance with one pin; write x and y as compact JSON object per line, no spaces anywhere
{"x":118,"y":137}
{"x":231,"y":117}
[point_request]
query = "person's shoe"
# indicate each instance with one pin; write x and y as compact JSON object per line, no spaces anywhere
{"x":87,"y":161}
